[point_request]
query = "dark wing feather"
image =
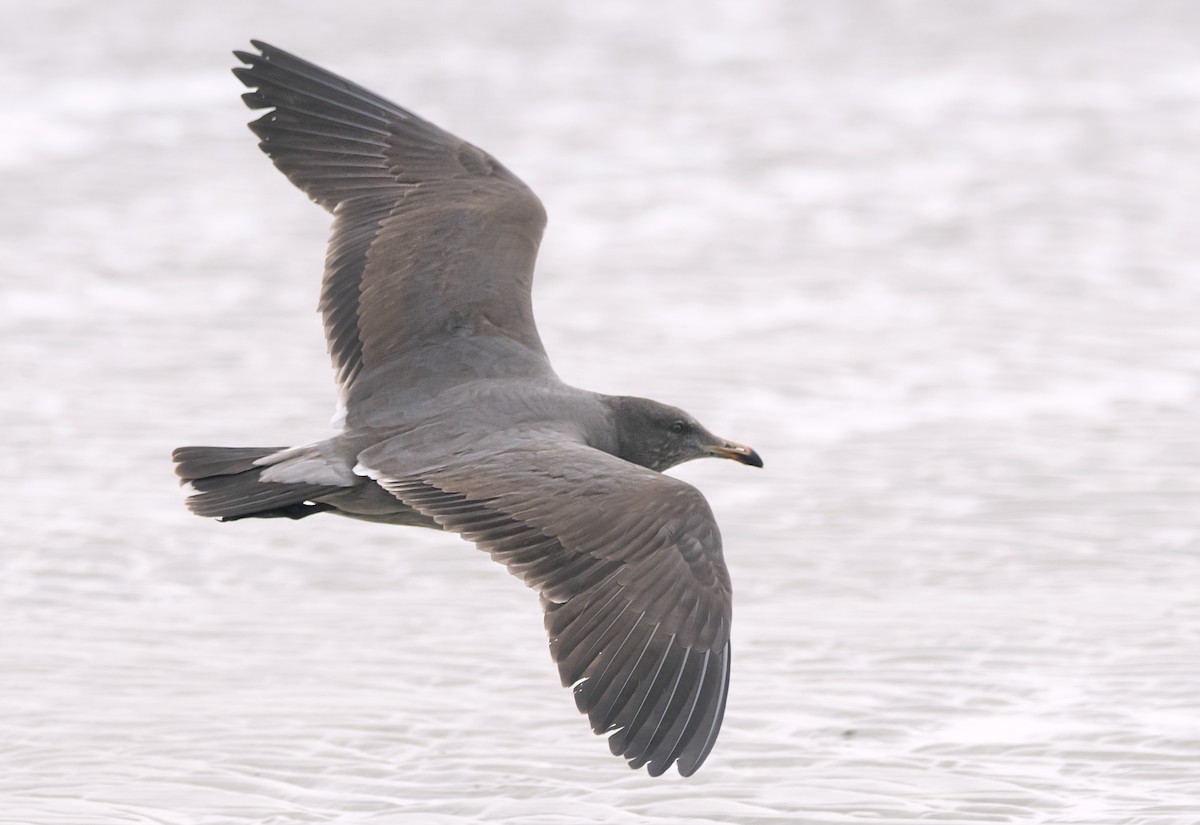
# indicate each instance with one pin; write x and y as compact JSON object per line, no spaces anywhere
{"x":629,"y":566}
{"x":433,"y":242}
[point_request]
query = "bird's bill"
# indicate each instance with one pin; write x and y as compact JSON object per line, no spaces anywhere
{"x":738,"y":452}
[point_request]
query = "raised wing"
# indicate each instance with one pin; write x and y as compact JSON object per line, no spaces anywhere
{"x":629,"y":566}
{"x":430,"y":264}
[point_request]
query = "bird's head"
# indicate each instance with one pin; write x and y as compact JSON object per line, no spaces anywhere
{"x":660,"y":436}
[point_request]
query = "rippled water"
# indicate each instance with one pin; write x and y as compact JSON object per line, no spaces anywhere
{"x":936,"y":261}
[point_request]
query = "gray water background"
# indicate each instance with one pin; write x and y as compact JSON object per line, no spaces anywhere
{"x":936,"y":260}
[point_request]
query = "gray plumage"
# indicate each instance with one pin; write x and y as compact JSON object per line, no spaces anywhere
{"x":454,"y":419}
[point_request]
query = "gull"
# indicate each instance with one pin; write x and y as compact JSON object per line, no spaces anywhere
{"x":453,"y":419}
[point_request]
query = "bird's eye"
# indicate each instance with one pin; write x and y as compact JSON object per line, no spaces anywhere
{"x":678,"y":426}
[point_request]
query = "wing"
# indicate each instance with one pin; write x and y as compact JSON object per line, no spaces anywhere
{"x":430,"y":264}
{"x":629,"y":566}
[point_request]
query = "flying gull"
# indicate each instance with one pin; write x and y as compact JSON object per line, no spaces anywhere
{"x":453,"y":419}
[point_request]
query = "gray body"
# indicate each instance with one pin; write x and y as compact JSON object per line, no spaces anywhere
{"x":453,"y":419}
{"x":420,"y":430}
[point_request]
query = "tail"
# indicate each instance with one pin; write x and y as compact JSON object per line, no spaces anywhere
{"x":225,"y":483}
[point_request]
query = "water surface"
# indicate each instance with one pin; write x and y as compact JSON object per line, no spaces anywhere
{"x":937,"y":263}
